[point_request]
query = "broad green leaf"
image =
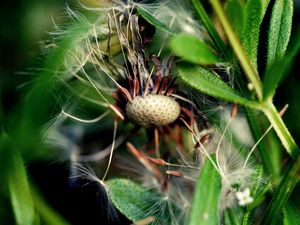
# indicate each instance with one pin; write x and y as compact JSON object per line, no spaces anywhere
{"x":291,"y":215}
{"x":210,"y":84}
{"x":17,"y":183}
{"x":280,"y":30}
{"x":204,"y":208}
{"x":192,"y":49}
{"x":254,"y":14}
{"x":152,"y":20}
{"x":131,"y":199}
{"x":235,"y":12}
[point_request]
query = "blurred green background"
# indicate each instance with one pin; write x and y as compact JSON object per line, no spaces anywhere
{"x":24,"y":24}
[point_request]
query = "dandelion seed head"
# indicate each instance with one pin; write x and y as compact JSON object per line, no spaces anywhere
{"x":153,"y":110}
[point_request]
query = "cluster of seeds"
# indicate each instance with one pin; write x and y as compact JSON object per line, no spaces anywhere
{"x":153,"y":110}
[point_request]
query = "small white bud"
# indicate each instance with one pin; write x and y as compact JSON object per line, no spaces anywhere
{"x":244,"y":197}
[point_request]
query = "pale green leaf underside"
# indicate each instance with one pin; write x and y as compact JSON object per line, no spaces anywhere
{"x":210,"y":84}
{"x":130,"y":198}
{"x":192,"y":49}
{"x":206,"y":197}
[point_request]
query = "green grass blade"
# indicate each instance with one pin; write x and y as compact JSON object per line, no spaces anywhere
{"x":204,"y":208}
{"x":210,"y":84}
{"x":280,"y":30}
{"x":254,"y":14}
{"x":282,"y":193}
{"x":217,"y":41}
{"x":192,"y":49}
{"x":130,"y":198}
{"x":152,"y":20}
{"x":17,"y":182}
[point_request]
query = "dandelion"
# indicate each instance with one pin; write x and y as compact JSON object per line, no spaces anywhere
{"x":110,"y":71}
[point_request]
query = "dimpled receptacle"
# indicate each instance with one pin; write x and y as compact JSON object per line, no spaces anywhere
{"x":153,"y":110}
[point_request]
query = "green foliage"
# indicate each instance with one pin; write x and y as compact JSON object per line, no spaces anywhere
{"x":291,"y":214}
{"x":130,"y":198}
{"x":281,"y":195}
{"x":206,"y":197}
{"x":278,"y":39}
{"x":233,"y":216}
{"x":206,"y":20}
{"x":17,"y":182}
{"x":211,"y":84}
{"x":192,"y":49}
{"x":152,"y":20}
{"x":254,"y":14}
{"x":278,"y":69}
{"x":280,"y":30}
{"x":235,"y":11}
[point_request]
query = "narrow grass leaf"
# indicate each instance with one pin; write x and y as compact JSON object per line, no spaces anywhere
{"x":283,"y":192}
{"x":210,"y":84}
{"x":280,"y":30}
{"x":191,"y":49}
{"x":130,"y":198}
{"x":17,"y":182}
{"x":204,"y":208}
{"x":291,"y":215}
{"x":254,"y":14}
{"x":217,"y":40}
{"x":152,"y":20}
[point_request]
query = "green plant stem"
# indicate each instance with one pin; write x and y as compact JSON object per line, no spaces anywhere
{"x":282,"y":194}
{"x":245,"y":218}
{"x":218,"y":42}
{"x":281,"y":130}
{"x":268,"y":108}
{"x":238,"y":49}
